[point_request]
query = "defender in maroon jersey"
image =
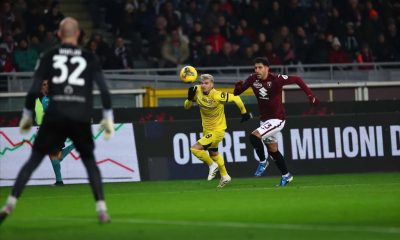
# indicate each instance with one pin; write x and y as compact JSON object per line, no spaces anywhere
{"x":267,"y":88}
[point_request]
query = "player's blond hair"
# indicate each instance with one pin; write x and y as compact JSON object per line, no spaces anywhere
{"x":207,"y":76}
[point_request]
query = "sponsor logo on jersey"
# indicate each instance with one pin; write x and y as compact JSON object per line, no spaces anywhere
{"x":68,"y":90}
{"x":257,"y":84}
{"x":263,"y":93}
{"x":207,"y":100}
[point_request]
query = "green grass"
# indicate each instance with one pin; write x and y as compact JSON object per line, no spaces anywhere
{"x":346,"y":206}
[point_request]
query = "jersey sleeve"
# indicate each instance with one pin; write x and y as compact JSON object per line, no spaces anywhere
{"x":225,"y":97}
{"x":98,"y":77}
{"x":187,"y":104}
{"x":239,"y":103}
{"x":242,"y":86}
{"x":221,"y":97}
{"x":198,"y":92}
{"x":41,"y":73}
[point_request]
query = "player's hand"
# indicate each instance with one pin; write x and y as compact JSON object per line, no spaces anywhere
{"x":25,"y":124}
{"x":246,"y":117}
{"x":26,"y":121}
{"x":107,"y":124}
{"x":191,"y":93}
{"x":313,"y":100}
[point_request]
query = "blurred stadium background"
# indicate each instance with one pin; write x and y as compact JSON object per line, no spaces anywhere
{"x":348,"y":51}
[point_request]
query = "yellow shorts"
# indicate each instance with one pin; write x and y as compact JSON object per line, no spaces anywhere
{"x":211,"y":139}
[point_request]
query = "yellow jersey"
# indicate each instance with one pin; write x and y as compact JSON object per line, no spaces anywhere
{"x":212,"y":107}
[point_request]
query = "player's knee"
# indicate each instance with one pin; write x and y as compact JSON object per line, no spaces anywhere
{"x":272,"y":147}
{"x":256,"y":133}
{"x":195,"y":151}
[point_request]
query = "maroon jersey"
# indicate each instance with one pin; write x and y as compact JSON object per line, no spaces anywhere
{"x":269,"y":93}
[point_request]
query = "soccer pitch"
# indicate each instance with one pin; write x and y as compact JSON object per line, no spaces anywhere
{"x":345,"y":206}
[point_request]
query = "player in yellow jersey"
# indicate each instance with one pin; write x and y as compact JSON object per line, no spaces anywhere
{"x":211,"y":103}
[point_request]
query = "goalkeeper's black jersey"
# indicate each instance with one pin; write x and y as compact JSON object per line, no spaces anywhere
{"x":71,"y":72}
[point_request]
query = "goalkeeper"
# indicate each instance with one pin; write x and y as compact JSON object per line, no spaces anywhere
{"x":211,"y":103}
{"x":60,"y":153}
{"x":71,"y":72}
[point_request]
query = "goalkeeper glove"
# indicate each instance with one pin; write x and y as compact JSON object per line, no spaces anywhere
{"x":313,"y":100}
{"x":26,"y":121}
{"x":246,"y":117}
{"x":107,"y":124}
{"x":191,"y":93}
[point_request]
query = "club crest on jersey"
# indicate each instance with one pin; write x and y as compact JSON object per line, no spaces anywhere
{"x":269,"y":84}
{"x":257,"y":84}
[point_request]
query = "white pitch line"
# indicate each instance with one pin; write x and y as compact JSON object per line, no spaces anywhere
{"x":247,"y":225}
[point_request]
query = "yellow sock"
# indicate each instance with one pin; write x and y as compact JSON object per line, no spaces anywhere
{"x":202,"y":155}
{"x":221,"y":164}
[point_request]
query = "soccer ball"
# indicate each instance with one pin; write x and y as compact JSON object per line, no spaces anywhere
{"x":188,"y":74}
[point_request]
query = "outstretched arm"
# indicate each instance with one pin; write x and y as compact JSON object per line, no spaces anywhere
{"x":187,"y":104}
{"x":239,"y":103}
{"x":226,"y":97}
{"x":105,"y":93}
{"x":107,"y":123}
{"x":190,"y":98}
{"x":39,"y":75}
{"x":241,"y":86}
{"x":295,"y":79}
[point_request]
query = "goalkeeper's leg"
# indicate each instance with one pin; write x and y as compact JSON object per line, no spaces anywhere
{"x":23,"y":176}
{"x":82,"y":138}
{"x":94,"y":175}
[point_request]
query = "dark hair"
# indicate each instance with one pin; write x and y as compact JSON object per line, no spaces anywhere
{"x":262,"y":60}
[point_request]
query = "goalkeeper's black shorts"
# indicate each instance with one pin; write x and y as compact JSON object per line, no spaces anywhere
{"x":52,"y":134}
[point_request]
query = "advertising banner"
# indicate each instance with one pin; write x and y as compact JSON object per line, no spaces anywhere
{"x":116,"y":158}
{"x":311,"y":145}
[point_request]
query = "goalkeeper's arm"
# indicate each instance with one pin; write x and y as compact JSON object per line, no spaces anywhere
{"x":26,"y":121}
{"x":107,"y":123}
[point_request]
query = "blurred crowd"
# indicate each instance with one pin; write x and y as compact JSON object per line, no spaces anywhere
{"x":169,"y":33}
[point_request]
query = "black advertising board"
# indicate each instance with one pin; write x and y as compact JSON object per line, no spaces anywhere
{"x":311,"y":145}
